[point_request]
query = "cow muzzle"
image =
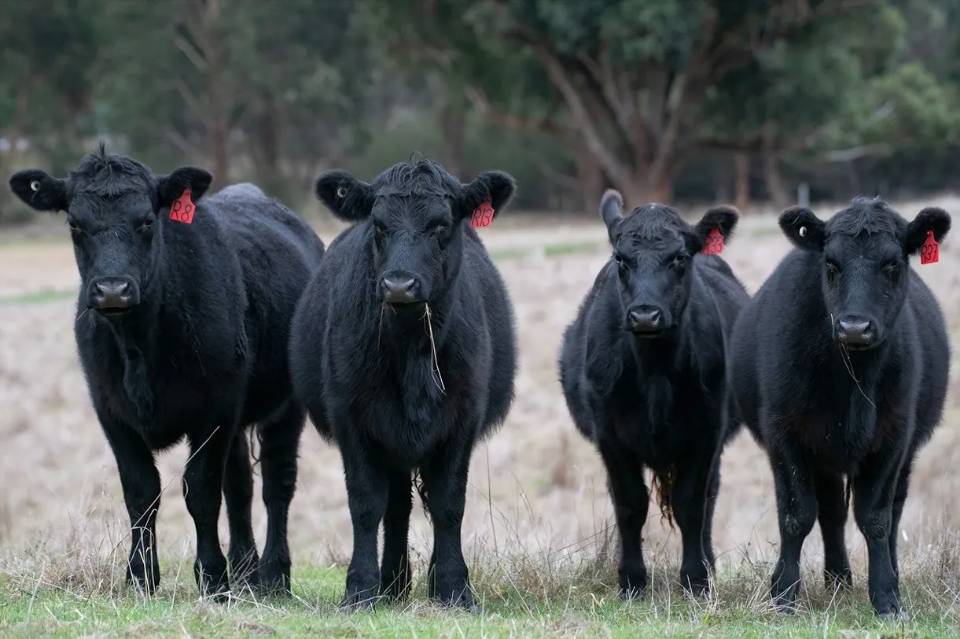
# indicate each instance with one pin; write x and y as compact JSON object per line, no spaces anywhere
{"x":113,"y":296}
{"x":856,"y":332}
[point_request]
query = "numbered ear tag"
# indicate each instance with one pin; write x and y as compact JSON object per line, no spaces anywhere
{"x":713,"y":245}
{"x":482,"y":215}
{"x":930,"y":251}
{"x":183,"y":208}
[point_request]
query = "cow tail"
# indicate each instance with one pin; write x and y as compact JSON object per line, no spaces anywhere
{"x":663,"y":486}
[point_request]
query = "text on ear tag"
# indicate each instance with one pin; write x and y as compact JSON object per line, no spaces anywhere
{"x":183,"y":208}
{"x":713,"y":245}
{"x":482,"y":215}
{"x":930,"y":251}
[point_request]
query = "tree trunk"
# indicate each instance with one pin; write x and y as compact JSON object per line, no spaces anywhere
{"x":776,"y":189}
{"x":590,"y":177}
{"x":453,"y":125}
{"x":741,"y":179}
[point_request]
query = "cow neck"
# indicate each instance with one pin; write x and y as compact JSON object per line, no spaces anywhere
{"x":136,"y":337}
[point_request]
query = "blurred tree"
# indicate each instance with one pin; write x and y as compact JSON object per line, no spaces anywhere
{"x":272,"y":88}
{"x":47,"y":55}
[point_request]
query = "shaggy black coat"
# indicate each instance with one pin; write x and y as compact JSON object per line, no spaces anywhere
{"x":839,"y":368}
{"x":403,"y":351}
{"x":182,"y":330}
{"x":643,"y":373}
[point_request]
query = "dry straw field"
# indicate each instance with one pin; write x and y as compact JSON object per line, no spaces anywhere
{"x":538,"y":523}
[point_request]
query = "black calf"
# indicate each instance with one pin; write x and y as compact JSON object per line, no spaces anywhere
{"x":182,"y":326}
{"x":403,"y":352}
{"x":642,"y":369}
{"x":839,"y":366}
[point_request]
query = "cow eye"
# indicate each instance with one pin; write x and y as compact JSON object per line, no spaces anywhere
{"x":618,"y":259}
{"x":146,"y":225}
{"x":74,"y":227}
{"x":438,"y":230}
{"x":891,"y":269}
{"x":680,"y":260}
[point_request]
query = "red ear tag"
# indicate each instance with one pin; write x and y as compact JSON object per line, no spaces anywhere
{"x":183,"y":209}
{"x":482,"y":215}
{"x":713,"y":245}
{"x":930,"y":251}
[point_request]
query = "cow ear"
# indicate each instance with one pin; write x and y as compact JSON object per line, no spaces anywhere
{"x":171,"y":187}
{"x":39,"y":190}
{"x":720,"y":218}
{"x":496,"y":187}
{"x":347,"y":197}
{"x":930,"y":219}
{"x":803,"y":228}
{"x":611,"y":210}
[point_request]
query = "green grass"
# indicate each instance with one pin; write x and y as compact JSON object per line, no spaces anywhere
{"x":30,"y":607}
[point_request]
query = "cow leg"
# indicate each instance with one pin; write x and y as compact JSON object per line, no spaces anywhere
{"x":395,"y":567}
{"x":445,"y":486}
{"x":713,"y":490}
{"x":202,"y":486}
{"x":874,"y":491}
{"x":630,"y":503}
{"x":903,"y":483}
{"x":279,"y":442}
{"x":141,"y":493}
{"x":238,"y":495}
{"x":796,"y":513}
{"x":832,"y":514}
{"x":689,"y":502}
{"x":367,"y":499}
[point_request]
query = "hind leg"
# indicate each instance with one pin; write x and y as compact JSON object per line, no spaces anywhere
{"x":832,"y":514}
{"x":395,"y":567}
{"x":796,"y":513}
{"x":279,"y":441}
{"x":238,"y":495}
{"x":630,"y":503}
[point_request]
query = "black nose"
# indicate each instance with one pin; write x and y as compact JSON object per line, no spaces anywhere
{"x":112,"y":294}
{"x":855,"y":331}
{"x":401,"y":290}
{"x":645,"y":319}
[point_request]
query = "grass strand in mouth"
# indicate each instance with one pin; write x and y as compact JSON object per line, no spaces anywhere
{"x":434,"y":361}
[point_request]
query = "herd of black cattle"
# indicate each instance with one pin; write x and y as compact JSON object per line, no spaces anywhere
{"x":200,"y":317}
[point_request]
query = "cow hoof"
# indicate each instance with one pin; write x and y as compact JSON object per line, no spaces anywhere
{"x":396,"y":588}
{"x":633,"y":593}
{"x":838,"y":580}
{"x":358,"y":601}
{"x":696,"y":585}
{"x":900,"y":615}
{"x":275,"y":578}
{"x":213,"y":584}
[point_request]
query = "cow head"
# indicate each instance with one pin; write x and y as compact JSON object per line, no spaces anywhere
{"x":864,"y":268}
{"x":112,"y":206}
{"x":653,"y":249}
{"x":414,"y":214}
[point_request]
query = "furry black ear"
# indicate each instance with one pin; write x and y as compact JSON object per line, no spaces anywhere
{"x":803,"y":228}
{"x":929,"y":219}
{"x":171,"y":187}
{"x":39,"y":190}
{"x":496,"y":186}
{"x":347,"y":197}
{"x":722,"y":218}
{"x":611,"y":210}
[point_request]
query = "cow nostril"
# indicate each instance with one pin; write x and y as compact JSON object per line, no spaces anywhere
{"x":645,"y":319}
{"x":855,"y":330}
{"x":400,"y":290}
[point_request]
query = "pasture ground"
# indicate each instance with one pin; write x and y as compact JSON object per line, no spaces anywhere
{"x":538,"y":530}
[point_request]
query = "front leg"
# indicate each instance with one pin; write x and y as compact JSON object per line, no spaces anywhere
{"x":238,"y":493}
{"x":631,"y":500}
{"x":445,"y":490}
{"x":874,"y":491}
{"x":689,"y":501}
{"x":796,"y":513}
{"x":141,"y":492}
{"x":202,"y":488}
{"x":367,"y":499}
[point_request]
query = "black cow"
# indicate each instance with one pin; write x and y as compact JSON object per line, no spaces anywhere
{"x":182,"y":327}
{"x":403,"y":351}
{"x":643,"y":372}
{"x":839,"y":366}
